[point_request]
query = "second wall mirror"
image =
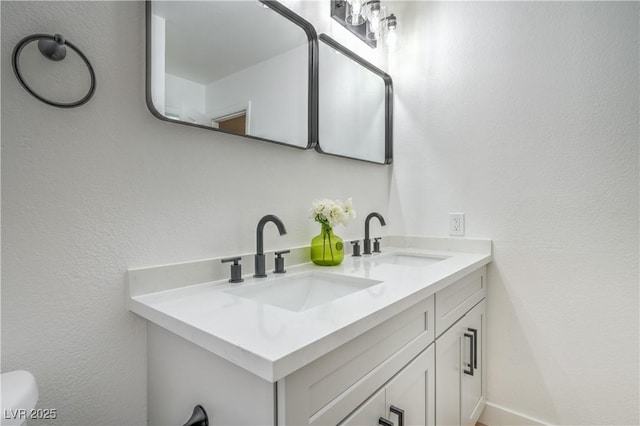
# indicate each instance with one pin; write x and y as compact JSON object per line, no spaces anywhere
{"x":355,"y":106}
{"x":242,"y":67}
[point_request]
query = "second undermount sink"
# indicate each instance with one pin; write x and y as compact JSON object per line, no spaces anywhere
{"x":407,"y":259}
{"x":303,"y":291}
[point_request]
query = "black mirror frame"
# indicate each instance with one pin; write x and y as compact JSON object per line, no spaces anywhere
{"x":312,"y":115}
{"x":388,"y":107}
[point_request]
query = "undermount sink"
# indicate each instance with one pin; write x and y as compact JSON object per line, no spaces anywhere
{"x":406,"y":259}
{"x":302,"y":291}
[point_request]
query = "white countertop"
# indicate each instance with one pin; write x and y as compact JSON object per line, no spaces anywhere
{"x":272,"y":342}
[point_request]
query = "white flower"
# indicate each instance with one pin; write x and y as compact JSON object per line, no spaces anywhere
{"x":318,"y":206}
{"x":349,"y":211}
{"x":333,"y":212}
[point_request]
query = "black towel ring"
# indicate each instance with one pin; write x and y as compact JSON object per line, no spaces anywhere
{"x":53,"y":48}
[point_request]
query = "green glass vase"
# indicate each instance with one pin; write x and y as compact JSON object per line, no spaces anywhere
{"x":327,"y":249}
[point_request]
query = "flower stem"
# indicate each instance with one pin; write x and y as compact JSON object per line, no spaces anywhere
{"x":324,"y":244}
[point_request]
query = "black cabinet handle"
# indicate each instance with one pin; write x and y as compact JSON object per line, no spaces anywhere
{"x":475,"y":347}
{"x":198,"y":417}
{"x":470,"y":365}
{"x":384,"y":422}
{"x":399,"y":412}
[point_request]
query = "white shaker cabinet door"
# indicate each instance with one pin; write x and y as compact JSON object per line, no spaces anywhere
{"x":472,"y":386}
{"x":407,"y":399}
{"x":412,"y":391}
{"x":369,"y":413}
{"x":459,"y":370}
{"x":449,"y":355}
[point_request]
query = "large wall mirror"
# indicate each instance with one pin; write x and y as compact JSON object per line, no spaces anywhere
{"x":242,"y":67}
{"x":355,"y":106}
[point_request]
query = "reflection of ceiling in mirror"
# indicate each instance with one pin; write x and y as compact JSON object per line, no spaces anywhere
{"x":207,"y":40}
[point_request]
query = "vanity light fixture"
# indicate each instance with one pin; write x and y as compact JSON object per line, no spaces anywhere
{"x":391,"y":35}
{"x":367,"y":19}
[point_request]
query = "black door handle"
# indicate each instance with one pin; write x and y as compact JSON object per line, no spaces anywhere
{"x":399,"y":412}
{"x":198,"y":417}
{"x":470,"y":365}
{"x":475,"y":347}
{"x":384,"y":422}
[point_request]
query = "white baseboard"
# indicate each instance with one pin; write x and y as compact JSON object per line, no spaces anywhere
{"x":496,"y":415}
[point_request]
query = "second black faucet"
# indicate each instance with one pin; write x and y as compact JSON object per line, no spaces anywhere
{"x":367,"y":240}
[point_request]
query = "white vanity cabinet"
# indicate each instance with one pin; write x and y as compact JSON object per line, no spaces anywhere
{"x":405,"y":370}
{"x":460,"y":380}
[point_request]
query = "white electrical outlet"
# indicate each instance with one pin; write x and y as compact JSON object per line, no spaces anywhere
{"x":456,"y":224}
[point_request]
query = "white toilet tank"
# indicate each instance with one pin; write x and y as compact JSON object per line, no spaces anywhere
{"x":18,"y":395}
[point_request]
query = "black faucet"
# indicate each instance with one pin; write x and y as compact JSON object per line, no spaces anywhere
{"x":259,"y":257}
{"x":367,"y":240}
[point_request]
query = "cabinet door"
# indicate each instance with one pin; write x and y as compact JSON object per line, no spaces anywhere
{"x":369,"y":412}
{"x":412,"y":391}
{"x":329,"y":389}
{"x":459,"y":370}
{"x":449,"y":356}
{"x":472,"y":394}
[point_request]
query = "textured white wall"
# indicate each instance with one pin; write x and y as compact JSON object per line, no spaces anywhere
{"x":92,"y":191}
{"x":524,"y":116}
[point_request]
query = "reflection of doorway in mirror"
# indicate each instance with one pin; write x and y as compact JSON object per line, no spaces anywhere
{"x":234,"y":118}
{"x":235,"y":123}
